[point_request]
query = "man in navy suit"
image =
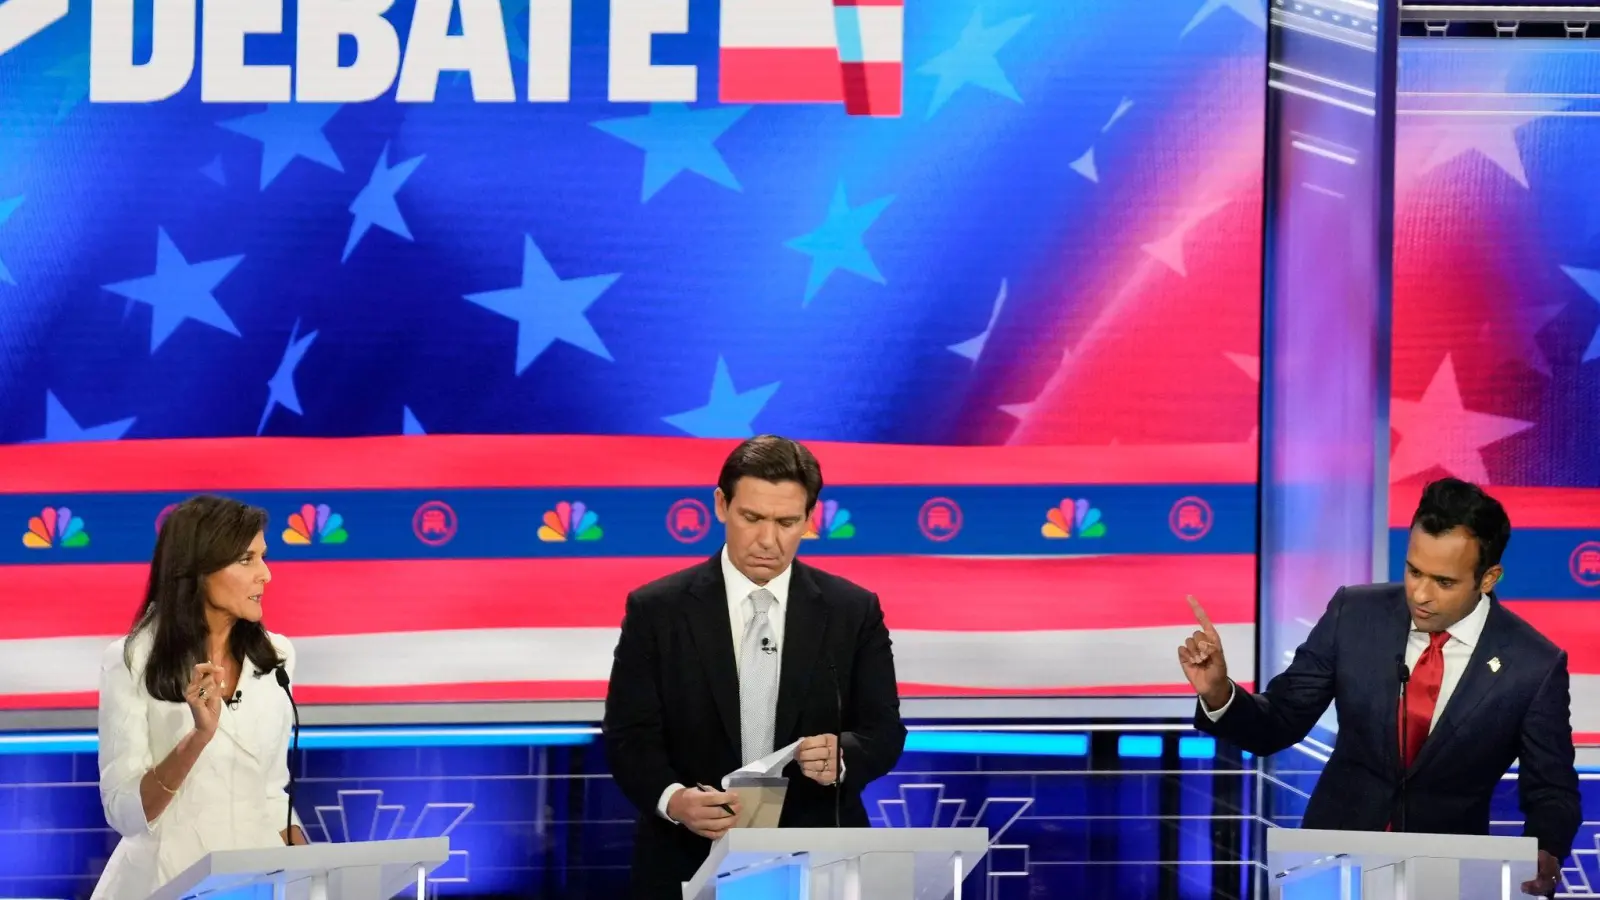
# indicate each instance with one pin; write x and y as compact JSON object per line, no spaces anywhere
{"x":1484,"y":689}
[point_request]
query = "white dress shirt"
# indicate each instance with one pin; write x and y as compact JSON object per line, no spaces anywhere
{"x":738,"y":589}
{"x":1464,"y":636}
{"x":232,"y":799}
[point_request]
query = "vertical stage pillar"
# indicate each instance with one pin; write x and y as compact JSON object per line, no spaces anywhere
{"x":1328,"y":238}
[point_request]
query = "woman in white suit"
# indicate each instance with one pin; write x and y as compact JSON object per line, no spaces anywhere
{"x":194,"y":728}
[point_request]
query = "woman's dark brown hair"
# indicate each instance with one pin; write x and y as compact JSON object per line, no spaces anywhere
{"x":200,"y":536}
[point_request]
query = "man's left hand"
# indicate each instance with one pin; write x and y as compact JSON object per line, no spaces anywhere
{"x":816,"y":757}
{"x":1549,"y":876}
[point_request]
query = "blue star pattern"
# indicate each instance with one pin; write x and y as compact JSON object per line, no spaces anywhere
{"x":72,"y":75}
{"x":786,"y":239}
{"x":287,"y":131}
{"x":376,"y":205}
{"x":838,"y":242}
{"x":1589,"y":280}
{"x":548,"y":309}
{"x":729,"y":413}
{"x":973,"y":61}
{"x":61,"y":427}
{"x":280,"y":387}
{"x":179,"y":290}
{"x":676,"y":139}
{"x":7,"y":207}
{"x":215,"y":171}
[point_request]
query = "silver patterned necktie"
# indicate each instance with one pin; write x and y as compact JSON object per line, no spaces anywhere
{"x":758,"y":679}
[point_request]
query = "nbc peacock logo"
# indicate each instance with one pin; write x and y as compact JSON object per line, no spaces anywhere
{"x":1073,"y":515}
{"x":315,"y":524}
{"x":55,"y":527}
{"x":570,"y":521}
{"x":830,"y":520}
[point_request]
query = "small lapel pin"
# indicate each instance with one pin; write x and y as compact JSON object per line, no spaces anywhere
{"x":1494,"y":664}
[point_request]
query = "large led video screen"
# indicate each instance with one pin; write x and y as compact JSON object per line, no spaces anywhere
{"x":1496,"y":311}
{"x":474,"y":297}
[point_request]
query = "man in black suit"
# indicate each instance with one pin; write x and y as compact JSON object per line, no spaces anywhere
{"x":724,"y":662}
{"x":1484,"y":689}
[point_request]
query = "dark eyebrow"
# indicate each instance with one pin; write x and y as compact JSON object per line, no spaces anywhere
{"x":1413,"y":567}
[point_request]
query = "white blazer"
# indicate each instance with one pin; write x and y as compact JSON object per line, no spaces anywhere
{"x":232,"y":799}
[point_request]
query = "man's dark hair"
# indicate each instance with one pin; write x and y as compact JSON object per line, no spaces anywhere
{"x":1452,"y":503}
{"x":775,"y":459}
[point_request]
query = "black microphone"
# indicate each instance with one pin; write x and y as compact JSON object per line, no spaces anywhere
{"x":1405,"y":677}
{"x":767,"y":646}
{"x":237,"y":696}
{"x":294,"y":744}
{"x":838,"y":738}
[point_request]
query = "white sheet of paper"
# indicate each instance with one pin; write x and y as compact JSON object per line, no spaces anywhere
{"x":771,"y":764}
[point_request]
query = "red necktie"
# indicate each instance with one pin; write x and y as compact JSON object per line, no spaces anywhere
{"x":1422,"y":695}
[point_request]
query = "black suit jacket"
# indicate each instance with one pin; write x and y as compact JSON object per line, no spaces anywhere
{"x":672,"y":707}
{"x":1520,"y":712}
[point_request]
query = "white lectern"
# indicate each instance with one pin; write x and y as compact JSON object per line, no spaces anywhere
{"x":362,"y":870}
{"x":1395,"y":866}
{"x":839,"y":863}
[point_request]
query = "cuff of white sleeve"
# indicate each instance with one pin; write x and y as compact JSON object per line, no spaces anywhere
{"x":666,"y":797}
{"x":1216,"y":714}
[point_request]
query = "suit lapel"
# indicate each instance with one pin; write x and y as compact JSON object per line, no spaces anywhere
{"x":1395,"y":634}
{"x":229,"y":723}
{"x":707,"y":614}
{"x":1477,"y":684}
{"x":805,"y":623}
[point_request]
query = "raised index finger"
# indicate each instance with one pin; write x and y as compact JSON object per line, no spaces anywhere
{"x":1201,"y":617}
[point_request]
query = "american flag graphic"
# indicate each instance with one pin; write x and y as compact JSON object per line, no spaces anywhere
{"x":481,"y":362}
{"x":814,"y":51}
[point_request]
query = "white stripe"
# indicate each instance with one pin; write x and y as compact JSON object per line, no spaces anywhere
{"x":966,"y":659}
{"x":777,"y":24}
{"x":882,"y":32}
{"x":52,"y":665}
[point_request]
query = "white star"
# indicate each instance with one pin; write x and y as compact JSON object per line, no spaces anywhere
{"x":1057,"y":379}
{"x":1492,"y":135}
{"x":1438,"y":431}
{"x":1249,"y":365}
{"x":1253,"y":11}
{"x":972,"y":348}
{"x":1169,"y":249}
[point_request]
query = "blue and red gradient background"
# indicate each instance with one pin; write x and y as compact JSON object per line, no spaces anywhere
{"x":1039,"y":284}
{"x":1497,"y":316}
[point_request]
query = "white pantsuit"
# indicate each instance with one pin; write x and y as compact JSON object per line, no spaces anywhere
{"x":232,"y":799}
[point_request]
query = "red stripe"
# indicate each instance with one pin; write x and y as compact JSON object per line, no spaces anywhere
{"x":490,"y":461}
{"x":780,"y":75}
{"x":869,"y":2}
{"x":1528,"y":507}
{"x":872,"y":89}
{"x":308,"y":599}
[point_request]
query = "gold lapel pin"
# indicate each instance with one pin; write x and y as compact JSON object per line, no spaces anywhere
{"x":1494,"y":664}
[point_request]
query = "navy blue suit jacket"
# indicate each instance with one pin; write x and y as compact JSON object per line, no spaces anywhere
{"x":1520,"y":712}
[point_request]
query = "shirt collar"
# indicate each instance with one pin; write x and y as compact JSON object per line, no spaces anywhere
{"x":1469,"y":629}
{"x":740,"y":587}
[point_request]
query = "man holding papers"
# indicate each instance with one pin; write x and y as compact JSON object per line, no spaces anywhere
{"x":741,"y":656}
